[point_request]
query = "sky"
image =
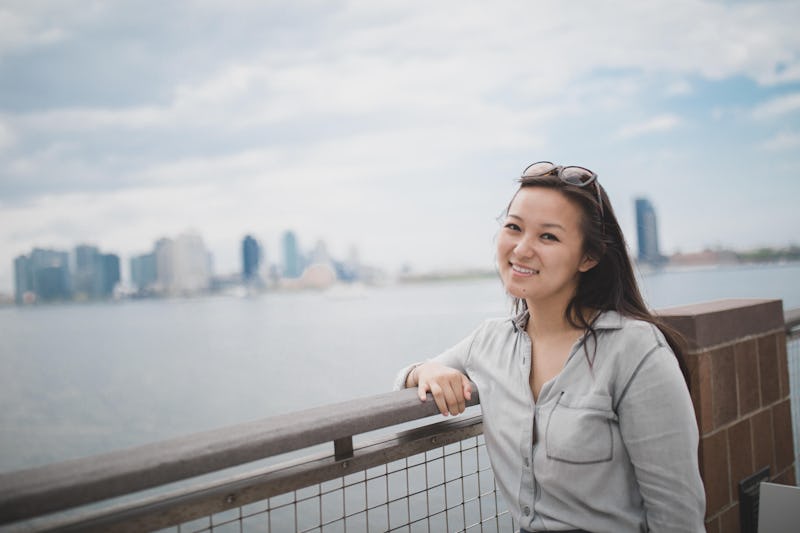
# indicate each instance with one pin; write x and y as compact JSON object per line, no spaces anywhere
{"x":395,"y":127}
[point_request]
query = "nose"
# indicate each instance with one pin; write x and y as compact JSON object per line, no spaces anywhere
{"x":524,"y":248}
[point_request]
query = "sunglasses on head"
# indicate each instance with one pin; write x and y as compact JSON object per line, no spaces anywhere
{"x":577,"y":176}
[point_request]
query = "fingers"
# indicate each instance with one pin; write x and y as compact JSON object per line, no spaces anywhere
{"x":457,"y":396}
{"x":439,"y":398}
{"x":467,"y":387}
{"x":422,"y":390}
{"x":449,"y":387}
{"x":449,"y":396}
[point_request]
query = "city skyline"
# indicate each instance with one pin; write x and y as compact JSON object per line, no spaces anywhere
{"x":176,"y":266}
{"x":119,"y":123}
{"x":182,"y":266}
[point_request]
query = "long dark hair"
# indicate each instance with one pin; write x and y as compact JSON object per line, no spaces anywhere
{"x":611,"y":284}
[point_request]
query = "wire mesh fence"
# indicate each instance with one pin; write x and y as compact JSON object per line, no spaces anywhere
{"x":446,"y":489}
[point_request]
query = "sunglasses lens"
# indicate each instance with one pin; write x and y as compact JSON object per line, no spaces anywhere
{"x":542,"y":168}
{"x":578,"y":176}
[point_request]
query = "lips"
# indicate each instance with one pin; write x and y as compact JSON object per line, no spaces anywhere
{"x":523,"y":270}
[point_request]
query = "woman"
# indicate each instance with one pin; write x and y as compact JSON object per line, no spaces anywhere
{"x":587,"y":418}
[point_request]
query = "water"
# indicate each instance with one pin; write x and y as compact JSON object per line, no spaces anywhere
{"x":680,"y":287}
{"x":84,"y":379}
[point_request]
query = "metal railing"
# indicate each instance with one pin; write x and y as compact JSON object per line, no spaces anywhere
{"x":434,"y":477}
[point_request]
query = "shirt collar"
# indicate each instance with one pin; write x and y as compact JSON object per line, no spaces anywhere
{"x":605,"y":320}
{"x":608,"y":320}
{"x":520,"y":320}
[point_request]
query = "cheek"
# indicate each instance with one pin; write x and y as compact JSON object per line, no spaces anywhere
{"x":504,"y":245}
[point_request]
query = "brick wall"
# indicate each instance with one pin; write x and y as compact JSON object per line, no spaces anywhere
{"x":739,"y":382}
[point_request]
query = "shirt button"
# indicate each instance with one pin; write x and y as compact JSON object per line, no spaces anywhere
{"x":526,"y":461}
{"x":526,"y":510}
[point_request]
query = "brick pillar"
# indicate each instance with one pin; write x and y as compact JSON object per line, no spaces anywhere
{"x":739,"y":382}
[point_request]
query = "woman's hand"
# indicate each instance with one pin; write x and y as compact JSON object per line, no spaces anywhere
{"x":449,"y":387}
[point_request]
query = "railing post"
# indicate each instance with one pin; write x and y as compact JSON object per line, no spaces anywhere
{"x":343,"y":448}
{"x":740,"y":389}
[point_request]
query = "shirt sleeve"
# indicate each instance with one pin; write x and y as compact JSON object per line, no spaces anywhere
{"x":454,"y":357}
{"x":658,"y":426}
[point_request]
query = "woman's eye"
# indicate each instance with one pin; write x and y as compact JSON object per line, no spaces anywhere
{"x":512,"y":226}
{"x":549,"y":237}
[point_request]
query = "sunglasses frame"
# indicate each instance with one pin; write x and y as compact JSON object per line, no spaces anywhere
{"x":559,"y":171}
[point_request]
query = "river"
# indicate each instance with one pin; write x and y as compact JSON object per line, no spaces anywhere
{"x":84,"y":379}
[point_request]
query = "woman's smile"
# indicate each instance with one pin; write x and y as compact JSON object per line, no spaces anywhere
{"x":520,"y":270}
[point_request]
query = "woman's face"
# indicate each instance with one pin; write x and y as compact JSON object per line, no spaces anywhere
{"x":540,"y":247}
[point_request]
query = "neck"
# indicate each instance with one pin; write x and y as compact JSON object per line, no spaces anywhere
{"x":548,"y":320}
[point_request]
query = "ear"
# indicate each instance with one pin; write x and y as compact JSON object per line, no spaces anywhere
{"x":587,"y":263}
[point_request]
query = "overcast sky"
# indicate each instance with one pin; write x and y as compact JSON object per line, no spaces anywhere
{"x":394,"y":126}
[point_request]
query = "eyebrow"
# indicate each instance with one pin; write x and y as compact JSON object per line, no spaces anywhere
{"x":544,"y":225}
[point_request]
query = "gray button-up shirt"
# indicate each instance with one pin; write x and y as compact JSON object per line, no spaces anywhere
{"x":607,"y":447}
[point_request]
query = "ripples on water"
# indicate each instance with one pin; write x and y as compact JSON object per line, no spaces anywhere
{"x":83,"y":379}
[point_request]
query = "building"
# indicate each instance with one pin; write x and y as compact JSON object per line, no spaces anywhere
{"x":251,"y":260}
{"x":23,"y":280}
{"x":85,"y":278}
{"x":43,"y":276}
{"x":164,"y":252}
{"x":143,"y":272}
{"x":95,"y":274}
{"x":183,"y":265}
{"x":46,"y":276}
{"x":292,"y":261}
{"x":109,"y":274}
{"x":647,"y":232}
{"x":192,"y":267}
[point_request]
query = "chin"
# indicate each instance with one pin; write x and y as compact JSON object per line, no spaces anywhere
{"x":513,"y":291}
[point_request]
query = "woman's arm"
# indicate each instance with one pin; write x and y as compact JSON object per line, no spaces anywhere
{"x":658,"y":426}
{"x":444,"y":377}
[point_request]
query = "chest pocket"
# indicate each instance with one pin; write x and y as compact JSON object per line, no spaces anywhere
{"x":579,"y":429}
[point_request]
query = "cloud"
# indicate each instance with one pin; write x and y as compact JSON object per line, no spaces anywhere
{"x":679,"y":88}
{"x":777,"y":107}
{"x":22,"y":26}
{"x":656,"y":124}
{"x":7,"y":137}
{"x":785,"y":140}
{"x":229,"y":117}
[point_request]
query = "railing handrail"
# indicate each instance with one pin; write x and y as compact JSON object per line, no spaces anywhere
{"x":38,"y":491}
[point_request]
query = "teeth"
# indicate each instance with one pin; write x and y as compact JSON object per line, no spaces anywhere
{"x":523,"y":270}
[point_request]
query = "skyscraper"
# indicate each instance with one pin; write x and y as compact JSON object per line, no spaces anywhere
{"x":292,"y":267}
{"x":23,"y":280}
{"x":143,"y":271}
{"x":43,"y":276}
{"x":86,"y":279}
{"x":164,"y":252}
{"x":109,"y":274}
{"x":251,"y":259}
{"x":96,"y":274}
{"x":647,"y":232}
{"x":183,"y":265}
